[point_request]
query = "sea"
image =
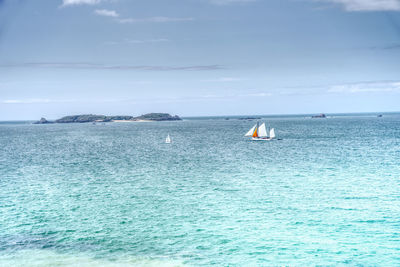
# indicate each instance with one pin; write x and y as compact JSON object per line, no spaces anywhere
{"x":115,"y":194}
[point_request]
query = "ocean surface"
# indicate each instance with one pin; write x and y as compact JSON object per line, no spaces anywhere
{"x":117,"y":195}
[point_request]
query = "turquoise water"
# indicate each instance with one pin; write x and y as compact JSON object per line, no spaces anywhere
{"x":117,"y":195}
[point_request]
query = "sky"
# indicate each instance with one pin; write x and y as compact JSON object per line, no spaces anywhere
{"x":198,"y":57}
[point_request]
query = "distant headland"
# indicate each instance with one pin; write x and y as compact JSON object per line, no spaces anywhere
{"x":102,"y":118}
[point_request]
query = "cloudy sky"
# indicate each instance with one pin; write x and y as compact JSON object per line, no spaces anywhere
{"x":198,"y":57}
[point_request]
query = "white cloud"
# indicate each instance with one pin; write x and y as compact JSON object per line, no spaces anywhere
{"x":57,"y":101}
{"x":97,"y":66}
{"x":106,"y":12}
{"x":154,"y":19}
{"x":26,"y":101}
{"x":368,"y":87}
{"x":367,"y":5}
{"x":261,"y":94}
{"x":80,"y":2}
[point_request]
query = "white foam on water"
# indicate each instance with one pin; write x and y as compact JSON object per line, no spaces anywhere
{"x":48,"y":258}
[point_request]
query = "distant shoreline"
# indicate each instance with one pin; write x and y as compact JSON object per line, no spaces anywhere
{"x":255,"y":115}
{"x":85,"y":118}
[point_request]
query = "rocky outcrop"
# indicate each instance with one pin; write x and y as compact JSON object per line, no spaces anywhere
{"x":42,"y":121}
{"x":81,"y":118}
{"x":158,"y":117}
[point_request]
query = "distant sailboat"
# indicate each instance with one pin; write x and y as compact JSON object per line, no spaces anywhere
{"x":272,"y":133}
{"x":168,"y":140}
{"x":259,"y":132}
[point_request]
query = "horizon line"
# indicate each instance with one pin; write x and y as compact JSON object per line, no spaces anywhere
{"x":260,"y":115}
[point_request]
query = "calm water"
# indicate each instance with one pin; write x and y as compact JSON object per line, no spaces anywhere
{"x":117,"y":195}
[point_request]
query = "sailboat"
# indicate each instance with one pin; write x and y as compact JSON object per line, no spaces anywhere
{"x":168,"y":140}
{"x":259,"y":133}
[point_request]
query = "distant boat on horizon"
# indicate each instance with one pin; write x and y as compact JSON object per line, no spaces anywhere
{"x":319,"y":116}
{"x":168,"y":140}
{"x":260,"y":133}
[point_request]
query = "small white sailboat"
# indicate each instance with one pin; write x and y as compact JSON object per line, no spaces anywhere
{"x":272,"y":133}
{"x":168,"y":140}
{"x":260,"y":133}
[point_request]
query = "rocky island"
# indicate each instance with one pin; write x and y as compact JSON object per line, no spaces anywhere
{"x":43,"y":121}
{"x":102,"y":118}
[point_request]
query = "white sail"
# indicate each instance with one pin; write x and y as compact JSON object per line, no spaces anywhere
{"x":251,"y":131}
{"x":262,"y":131}
{"x":272,"y":133}
{"x":168,"y":140}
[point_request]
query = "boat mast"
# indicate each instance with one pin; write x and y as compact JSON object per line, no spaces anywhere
{"x":258,"y":126}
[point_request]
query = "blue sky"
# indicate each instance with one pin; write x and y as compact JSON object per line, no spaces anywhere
{"x":198,"y":57}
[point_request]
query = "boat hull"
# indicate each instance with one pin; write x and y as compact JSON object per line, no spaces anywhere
{"x":261,"y":139}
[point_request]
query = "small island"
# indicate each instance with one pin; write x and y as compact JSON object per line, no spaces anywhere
{"x":43,"y":121}
{"x":102,"y":118}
